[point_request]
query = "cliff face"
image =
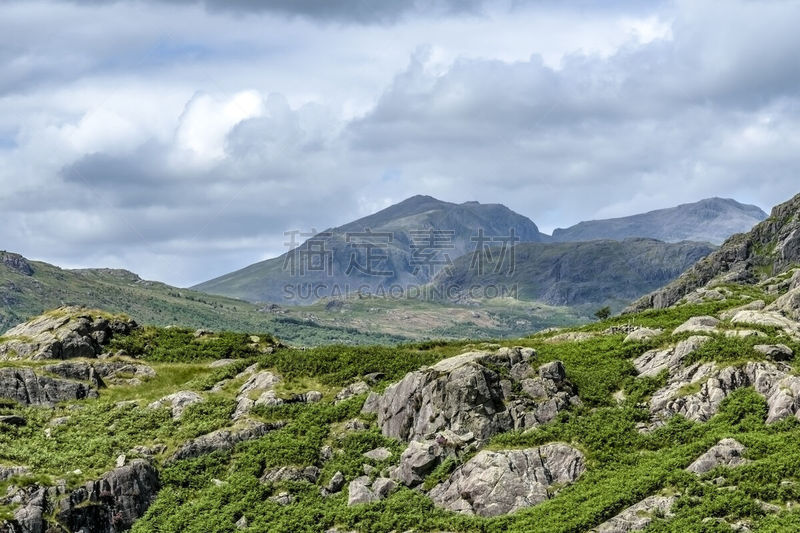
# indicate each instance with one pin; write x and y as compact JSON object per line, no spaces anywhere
{"x":767,"y":250}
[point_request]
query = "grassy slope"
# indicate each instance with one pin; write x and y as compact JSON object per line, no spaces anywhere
{"x":624,"y":464}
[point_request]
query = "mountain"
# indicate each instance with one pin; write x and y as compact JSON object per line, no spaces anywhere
{"x":410,"y":242}
{"x":585,"y":273}
{"x":712,"y":220}
{"x":771,"y":247}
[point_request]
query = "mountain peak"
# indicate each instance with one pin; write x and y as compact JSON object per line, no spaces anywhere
{"x":711,"y":220}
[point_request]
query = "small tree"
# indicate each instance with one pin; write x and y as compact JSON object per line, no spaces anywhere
{"x":603,"y":313}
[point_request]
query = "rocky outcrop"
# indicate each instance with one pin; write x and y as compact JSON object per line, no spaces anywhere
{"x":26,"y":387}
{"x":496,"y":483}
{"x":110,"y":504}
{"x":788,"y":304}
{"x":697,"y":391}
{"x":102,"y":373}
{"x":354,"y":389}
{"x":727,"y":452}
{"x":642,"y":334}
{"x":262,"y":382}
{"x":480,"y":393}
{"x":16,"y":262}
{"x":362,"y":490}
{"x":177,"y":402}
{"x":638,"y":516}
{"x":7,"y":472}
{"x":223,"y":439}
{"x":65,"y":333}
{"x":652,"y":362}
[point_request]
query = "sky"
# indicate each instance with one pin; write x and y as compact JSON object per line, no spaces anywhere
{"x":181,"y":139}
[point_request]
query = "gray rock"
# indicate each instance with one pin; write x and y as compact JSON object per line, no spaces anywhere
{"x":776,"y":352}
{"x":417,"y":461}
{"x":219,"y":363}
{"x":727,"y":452}
{"x":177,"y":402}
{"x":290,"y":473}
{"x":107,"y":505}
{"x":335,"y":484}
{"x":698,"y":324}
{"x":223,"y":439}
{"x":354,"y":389}
{"x":788,"y":304}
{"x":638,"y":516}
{"x":765,"y":318}
{"x":283,"y":498}
{"x":755,"y":305}
{"x":241,"y":523}
{"x":642,"y":334}
{"x":359,"y":492}
{"x":24,"y":386}
{"x":496,"y":483}
{"x":696,"y":392}
{"x":7,"y":472}
{"x":382,"y":487}
{"x":571,"y":336}
{"x":465,"y":394}
{"x":263,"y":381}
{"x":652,"y":362}
{"x":378,"y":454}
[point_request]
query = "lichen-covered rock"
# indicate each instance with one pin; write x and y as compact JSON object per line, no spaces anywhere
{"x":26,"y":387}
{"x":223,"y":439}
{"x":727,"y":452}
{"x":474,"y":393}
{"x":177,"y":402}
{"x":417,"y":461}
{"x":65,"y":333}
{"x":755,"y":305}
{"x":496,"y":483}
{"x":765,"y":318}
{"x":290,"y":473}
{"x":788,"y":304}
{"x":638,"y":516}
{"x":101,"y":373}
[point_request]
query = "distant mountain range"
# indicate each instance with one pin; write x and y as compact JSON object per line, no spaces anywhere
{"x":410,"y":243}
{"x":712,"y":220}
{"x":423,"y":235}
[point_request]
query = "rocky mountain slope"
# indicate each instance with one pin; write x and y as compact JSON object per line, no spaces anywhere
{"x":769,"y":249}
{"x":573,"y":274}
{"x":402,"y":252}
{"x":711,"y":220}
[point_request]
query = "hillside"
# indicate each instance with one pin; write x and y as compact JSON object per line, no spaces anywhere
{"x":399,"y":257}
{"x":592,"y":273}
{"x":679,"y":419}
{"x":711,"y":220}
{"x":28,"y":288}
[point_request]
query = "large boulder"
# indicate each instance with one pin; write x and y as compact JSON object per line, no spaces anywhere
{"x":788,"y":304}
{"x":698,"y":324}
{"x":727,"y":452}
{"x":481,"y":393}
{"x":65,"y":333}
{"x":496,"y":483}
{"x":26,"y":387}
